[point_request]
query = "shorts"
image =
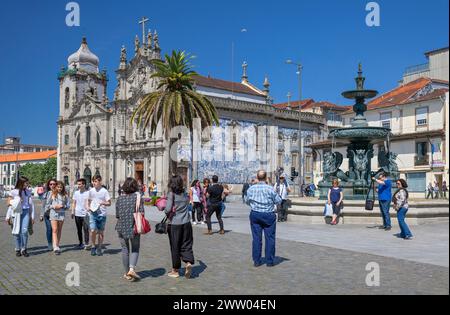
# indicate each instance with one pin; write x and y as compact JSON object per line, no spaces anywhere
{"x":97,"y":222}
{"x":57,"y":216}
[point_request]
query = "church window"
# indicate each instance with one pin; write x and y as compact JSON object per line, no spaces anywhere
{"x":66,"y":139}
{"x":66,"y":98}
{"x":88,"y":136}
{"x":98,"y":140}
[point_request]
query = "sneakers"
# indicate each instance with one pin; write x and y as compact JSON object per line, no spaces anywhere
{"x":409,"y":238}
{"x":50,"y":247}
{"x":194,"y":223}
{"x":188,"y":272}
{"x":87,"y":247}
{"x":388,"y":229}
{"x":57,"y":251}
{"x":174,"y":274}
{"x":18,"y":253}
{"x":99,"y":251}
{"x":203,"y":223}
{"x":93,"y":251}
{"x":25,"y":254}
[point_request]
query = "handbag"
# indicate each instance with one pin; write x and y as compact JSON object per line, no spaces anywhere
{"x":328,"y":211}
{"x":161,"y":203}
{"x":161,"y":228}
{"x":141,"y":225}
{"x":370,"y":203}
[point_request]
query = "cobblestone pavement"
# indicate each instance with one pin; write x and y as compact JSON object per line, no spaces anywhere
{"x":223,"y":267}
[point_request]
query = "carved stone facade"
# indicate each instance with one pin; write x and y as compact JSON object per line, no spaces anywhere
{"x":95,"y":136}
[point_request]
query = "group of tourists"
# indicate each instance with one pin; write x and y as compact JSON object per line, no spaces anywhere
{"x":436,"y":191}
{"x":385,"y":197}
{"x":184,"y":208}
{"x":87,"y":208}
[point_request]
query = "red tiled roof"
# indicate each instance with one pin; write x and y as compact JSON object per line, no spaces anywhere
{"x":295,"y":104}
{"x":25,"y":157}
{"x":310,"y":103}
{"x":327,"y":105}
{"x":405,"y":94}
{"x":225,"y":85}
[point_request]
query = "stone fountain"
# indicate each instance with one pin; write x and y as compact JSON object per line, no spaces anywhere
{"x":359,"y":138}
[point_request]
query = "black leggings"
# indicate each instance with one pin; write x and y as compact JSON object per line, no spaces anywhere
{"x":82,"y":226}
{"x":217,"y":209}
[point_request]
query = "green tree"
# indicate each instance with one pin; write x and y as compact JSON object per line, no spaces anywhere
{"x":39,"y":173}
{"x":49,"y":170}
{"x":175,"y":103}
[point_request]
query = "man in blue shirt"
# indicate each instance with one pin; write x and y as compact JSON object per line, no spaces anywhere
{"x":263,"y":201}
{"x":385,"y":198}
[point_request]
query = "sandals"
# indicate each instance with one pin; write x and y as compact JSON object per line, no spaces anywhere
{"x":188,"y":272}
{"x":128,"y":278}
{"x":133,"y":275}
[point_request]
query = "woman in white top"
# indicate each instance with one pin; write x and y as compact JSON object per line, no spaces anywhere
{"x":58,"y":204}
{"x":21,"y":215}
{"x":196,"y":197}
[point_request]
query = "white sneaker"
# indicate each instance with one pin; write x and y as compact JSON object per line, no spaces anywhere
{"x":194,"y":223}
{"x":203,"y":223}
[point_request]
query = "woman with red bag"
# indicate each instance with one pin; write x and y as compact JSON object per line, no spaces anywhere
{"x":126,"y":206}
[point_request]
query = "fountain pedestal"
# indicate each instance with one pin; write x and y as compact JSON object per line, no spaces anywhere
{"x":359,"y":138}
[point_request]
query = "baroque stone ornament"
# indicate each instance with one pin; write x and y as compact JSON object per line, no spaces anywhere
{"x":331,"y":168}
{"x":388,"y":164}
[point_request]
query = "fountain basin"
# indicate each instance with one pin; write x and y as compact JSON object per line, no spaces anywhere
{"x":360,"y":94}
{"x":361,"y":133}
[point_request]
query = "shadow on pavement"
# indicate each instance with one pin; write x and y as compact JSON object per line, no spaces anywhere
{"x":198,"y":269}
{"x":155,"y":273}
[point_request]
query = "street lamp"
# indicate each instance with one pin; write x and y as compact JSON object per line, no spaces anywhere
{"x":300,"y":148}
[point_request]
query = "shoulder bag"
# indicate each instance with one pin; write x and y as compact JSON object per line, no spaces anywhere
{"x":370,"y":203}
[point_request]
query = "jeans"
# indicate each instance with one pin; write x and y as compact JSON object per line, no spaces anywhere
{"x":48,"y":228}
{"x":282,"y":211}
{"x":130,"y":261}
{"x":401,"y":215}
{"x":266,"y":222}
{"x":385,"y":205}
{"x":22,"y":238}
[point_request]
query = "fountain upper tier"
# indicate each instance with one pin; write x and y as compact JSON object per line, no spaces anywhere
{"x":360,"y":129}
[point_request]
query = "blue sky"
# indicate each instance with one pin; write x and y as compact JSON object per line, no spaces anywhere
{"x":329,"y":37}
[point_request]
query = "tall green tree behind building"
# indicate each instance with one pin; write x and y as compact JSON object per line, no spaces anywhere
{"x":39,"y":173}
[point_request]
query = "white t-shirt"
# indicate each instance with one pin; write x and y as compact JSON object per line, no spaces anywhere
{"x":195,"y":196}
{"x":81,"y":200}
{"x":100,"y":196}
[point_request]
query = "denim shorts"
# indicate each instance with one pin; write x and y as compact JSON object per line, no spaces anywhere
{"x":96,"y":222}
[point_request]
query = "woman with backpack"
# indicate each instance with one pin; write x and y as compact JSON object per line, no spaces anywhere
{"x":57,"y":205}
{"x":21,"y":215}
{"x":400,"y":200}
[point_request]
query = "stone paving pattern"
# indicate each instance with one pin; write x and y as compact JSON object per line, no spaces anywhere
{"x":223,"y":267}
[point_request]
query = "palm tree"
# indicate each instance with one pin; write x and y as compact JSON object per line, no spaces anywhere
{"x":175,"y":102}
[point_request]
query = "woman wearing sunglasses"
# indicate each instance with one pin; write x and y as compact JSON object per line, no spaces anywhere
{"x":45,"y":215}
